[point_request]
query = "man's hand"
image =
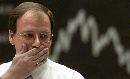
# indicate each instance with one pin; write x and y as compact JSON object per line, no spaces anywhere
{"x":25,"y":62}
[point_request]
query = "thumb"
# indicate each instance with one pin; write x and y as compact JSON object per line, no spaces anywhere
{"x":23,"y":48}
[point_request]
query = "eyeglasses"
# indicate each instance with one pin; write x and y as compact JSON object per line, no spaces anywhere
{"x":30,"y":37}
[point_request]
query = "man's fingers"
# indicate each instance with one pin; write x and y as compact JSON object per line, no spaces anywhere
{"x":41,"y":53}
{"x":35,"y":51}
{"x":41,"y":60}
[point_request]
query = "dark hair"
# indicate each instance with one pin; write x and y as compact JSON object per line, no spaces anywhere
{"x":23,"y":8}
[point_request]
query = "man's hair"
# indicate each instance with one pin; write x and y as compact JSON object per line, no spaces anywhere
{"x":23,"y":8}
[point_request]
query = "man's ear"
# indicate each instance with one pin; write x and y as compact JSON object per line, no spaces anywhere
{"x":11,"y":37}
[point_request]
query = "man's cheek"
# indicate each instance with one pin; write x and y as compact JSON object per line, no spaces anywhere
{"x":46,"y":45}
{"x":29,"y":47}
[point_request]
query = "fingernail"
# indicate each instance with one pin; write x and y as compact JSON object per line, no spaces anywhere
{"x":46,"y":49}
{"x":42,"y":46}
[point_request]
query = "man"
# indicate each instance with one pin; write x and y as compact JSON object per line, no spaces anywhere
{"x":30,"y":31}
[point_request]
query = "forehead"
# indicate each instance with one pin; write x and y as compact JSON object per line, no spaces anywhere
{"x":35,"y":15}
{"x":32,"y":19}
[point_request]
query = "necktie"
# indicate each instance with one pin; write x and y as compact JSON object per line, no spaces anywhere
{"x":29,"y":77}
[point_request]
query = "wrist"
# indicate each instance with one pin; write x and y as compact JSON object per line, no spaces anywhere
{"x":10,"y":75}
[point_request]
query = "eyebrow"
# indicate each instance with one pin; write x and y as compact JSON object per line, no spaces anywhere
{"x":34,"y":32}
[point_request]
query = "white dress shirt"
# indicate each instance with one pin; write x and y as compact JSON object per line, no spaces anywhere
{"x":49,"y":70}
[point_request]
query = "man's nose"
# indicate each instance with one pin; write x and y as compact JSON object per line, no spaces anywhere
{"x":36,"y":42}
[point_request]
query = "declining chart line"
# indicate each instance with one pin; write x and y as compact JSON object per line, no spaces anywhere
{"x":88,"y":26}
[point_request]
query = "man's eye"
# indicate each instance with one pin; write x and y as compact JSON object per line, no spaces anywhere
{"x":29,"y":35}
{"x":43,"y":36}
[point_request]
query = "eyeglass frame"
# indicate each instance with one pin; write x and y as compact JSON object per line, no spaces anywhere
{"x":25,"y":36}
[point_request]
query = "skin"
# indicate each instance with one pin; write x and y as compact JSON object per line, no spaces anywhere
{"x":28,"y":54}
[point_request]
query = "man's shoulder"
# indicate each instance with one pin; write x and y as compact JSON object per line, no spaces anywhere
{"x":4,"y":67}
{"x":59,"y":67}
{"x":64,"y":70}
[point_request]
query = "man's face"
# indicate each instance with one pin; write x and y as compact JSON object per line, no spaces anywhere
{"x":33,"y":30}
